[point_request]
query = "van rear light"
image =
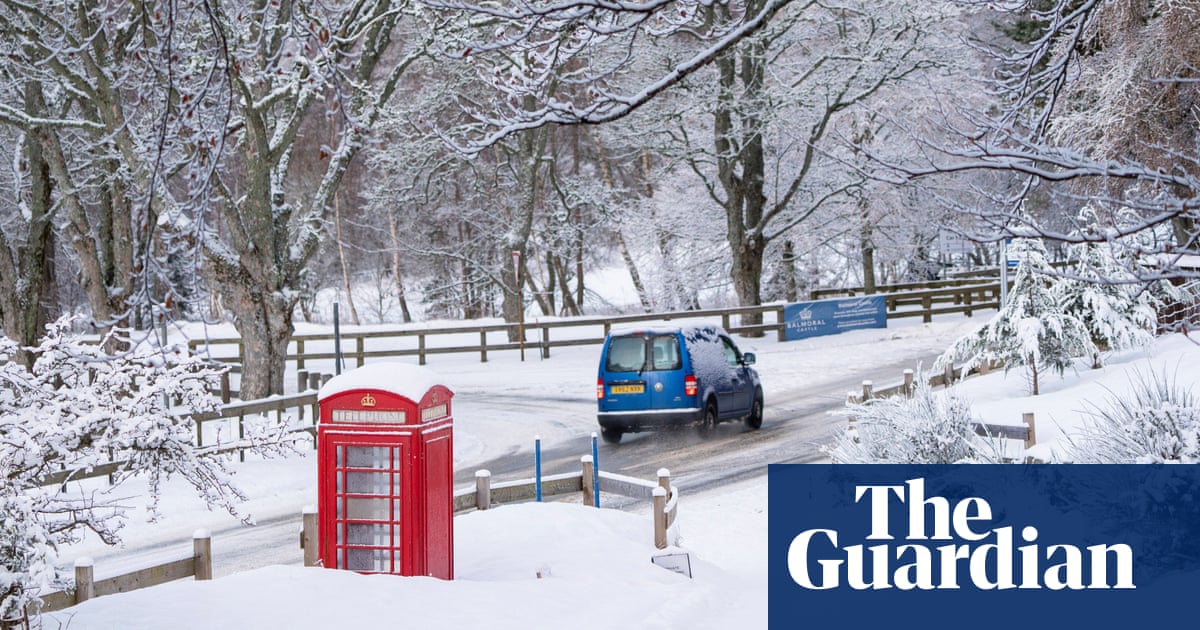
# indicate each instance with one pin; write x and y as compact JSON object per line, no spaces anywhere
{"x":599,"y":389}
{"x":689,"y":386}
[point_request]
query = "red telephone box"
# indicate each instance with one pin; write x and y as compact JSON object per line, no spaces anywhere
{"x":385,"y":468}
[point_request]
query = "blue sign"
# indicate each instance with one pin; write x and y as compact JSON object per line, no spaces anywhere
{"x":983,"y":546}
{"x":830,"y":317}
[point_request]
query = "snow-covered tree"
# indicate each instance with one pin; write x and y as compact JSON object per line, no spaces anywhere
{"x":1030,"y":330}
{"x":760,"y":121}
{"x":931,"y":427}
{"x":1096,"y":98}
{"x":79,"y":407}
{"x":1100,"y":290}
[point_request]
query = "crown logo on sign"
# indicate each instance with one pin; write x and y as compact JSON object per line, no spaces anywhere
{"x":806,"y":314}
{"x":367,"y":401}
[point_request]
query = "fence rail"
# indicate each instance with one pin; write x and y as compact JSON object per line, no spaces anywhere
{"x":198,"y":565}
{"x":964,"y":297}
{"x":662,"y":494}
{"x":820,"y":294}
{"x":1026,"y":432}
{"x":486,"y":495}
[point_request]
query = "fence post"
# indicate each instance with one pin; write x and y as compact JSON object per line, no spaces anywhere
{"x":949,"y":375}
{"x":225,"y":387}
{"x":241,"y":436}
{"x":589,"y":490}
{"x":421,"y":348}
{"x":308,"y":537}
{"x":85,"y":585}
{"x":908,"y":383}
{"x":1030,"y":435}
{"x":927,"y":307}
{"x":545,"y":342}
{"x":664,"y":479}
{"x":314,"y":380}
{"x":483,"y":346}
{"x":660,"y":518}
{"x":301,"y":380}
{"x":779,"y":319}
{"x":867,"y":387}
{"x":325,"y":378}
{"x":202,"y":548}
{"x":483,"y":489}
{"x":299,"y":354}
{"x":360,"y":348}
{"x":967,"y":301}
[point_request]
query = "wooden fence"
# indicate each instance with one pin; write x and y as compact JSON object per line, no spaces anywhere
{"x":1026,"y":432}
{"x":422,"y":342}
{"x":485,"y":495}
{"x":821,"y":294}
{"x":198,"y":565}
{"x":663,"y":495}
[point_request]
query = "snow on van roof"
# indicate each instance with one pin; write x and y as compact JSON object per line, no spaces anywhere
{"x":403,"y":379}
{"x":659,"y":327}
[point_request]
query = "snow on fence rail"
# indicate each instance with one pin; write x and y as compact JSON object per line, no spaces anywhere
{"x":198,"y":565}
{"x":423,"y":342}
{"x":485,"y":495}
{"x":1026,"y":432}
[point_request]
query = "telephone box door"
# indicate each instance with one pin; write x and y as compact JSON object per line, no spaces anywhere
{"x":367,"y":486}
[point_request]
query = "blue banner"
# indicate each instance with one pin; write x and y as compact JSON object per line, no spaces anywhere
{"x":983,"y":546}
{"x":830,"y":317}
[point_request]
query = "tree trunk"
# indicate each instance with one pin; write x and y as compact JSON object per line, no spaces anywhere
{"x":398,"y":270}
{"x":26,"y":269}
{"x":747,"y":282}
{"x":531,"y":146}
{"x":791,"y":288}
{"x":341,"y":247}
{"x":634,"y":276}
{"x":741,"y":171}
{"x":265,"y":324}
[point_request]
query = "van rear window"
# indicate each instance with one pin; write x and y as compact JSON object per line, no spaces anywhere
{"x":630,"y":354}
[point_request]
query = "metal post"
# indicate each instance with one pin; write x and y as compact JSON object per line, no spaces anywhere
{"x":595,"y":472}
{"x":337,"y":342}
{"x":537,"y":468}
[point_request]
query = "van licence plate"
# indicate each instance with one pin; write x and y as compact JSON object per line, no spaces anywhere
{"x":628,"y":389}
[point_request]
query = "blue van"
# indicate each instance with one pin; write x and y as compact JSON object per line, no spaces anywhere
{"x":659,"y":377}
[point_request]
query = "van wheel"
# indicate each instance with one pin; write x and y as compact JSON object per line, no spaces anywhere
{"x":709,"y":421}
{"x":611,"y":436}
{"x":754,"y":420}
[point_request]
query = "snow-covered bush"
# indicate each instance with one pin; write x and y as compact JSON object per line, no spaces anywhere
{"x":928,"y":428}
{"x":1158,"y":422}
{"x":1031,"y":329}
{"x":79,"y":407}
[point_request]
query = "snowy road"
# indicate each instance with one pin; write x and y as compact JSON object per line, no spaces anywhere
{"x":502,"y":405}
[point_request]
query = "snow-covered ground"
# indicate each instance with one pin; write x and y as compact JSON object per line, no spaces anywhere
{"x":595,"y":565}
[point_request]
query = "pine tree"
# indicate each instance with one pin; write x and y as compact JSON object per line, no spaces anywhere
{"x":1032,"y":329}
{"x":1118,"y":314}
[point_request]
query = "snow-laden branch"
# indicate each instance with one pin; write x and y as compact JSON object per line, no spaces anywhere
{"x":566,"y":63}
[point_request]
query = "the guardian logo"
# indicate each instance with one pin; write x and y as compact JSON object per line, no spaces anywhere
{"x":948,"y":546}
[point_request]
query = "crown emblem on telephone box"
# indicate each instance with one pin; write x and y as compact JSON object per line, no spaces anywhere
{"x":367,"y":401}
